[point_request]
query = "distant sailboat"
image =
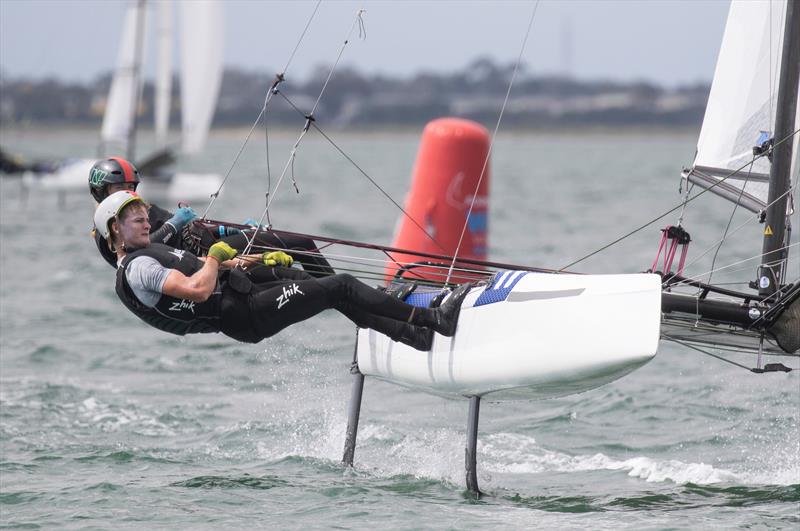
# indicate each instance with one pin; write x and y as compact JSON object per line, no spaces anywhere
{"x":201,"y":39}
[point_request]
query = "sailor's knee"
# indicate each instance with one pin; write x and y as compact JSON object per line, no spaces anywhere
{"x":341,"y":284}
{"x":346,"y":278}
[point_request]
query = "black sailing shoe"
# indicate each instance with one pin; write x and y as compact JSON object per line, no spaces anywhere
{"x":447,"y":313}
{"x":418,"y":337}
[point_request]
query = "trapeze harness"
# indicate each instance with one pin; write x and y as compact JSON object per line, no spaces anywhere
{"x":252,"y":306}
{"x":170,"y":314}
{"x":227,"y":310}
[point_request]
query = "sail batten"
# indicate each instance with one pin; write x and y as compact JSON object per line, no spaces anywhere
{"x":745,"y":189}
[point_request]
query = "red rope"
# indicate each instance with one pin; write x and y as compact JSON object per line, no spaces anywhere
{"x":676,"y":236}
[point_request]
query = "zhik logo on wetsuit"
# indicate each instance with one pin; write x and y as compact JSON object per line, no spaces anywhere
{"x":182,"y":304}
{"x":283,"y":298}
{"x":178,"y":252}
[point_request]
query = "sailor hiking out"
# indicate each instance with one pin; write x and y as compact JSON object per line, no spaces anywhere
{"x":248,"y":298}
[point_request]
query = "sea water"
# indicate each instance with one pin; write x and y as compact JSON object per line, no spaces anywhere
{"x":107,"y":423}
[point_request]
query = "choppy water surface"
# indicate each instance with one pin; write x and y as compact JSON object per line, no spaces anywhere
{"x":105,"y":422}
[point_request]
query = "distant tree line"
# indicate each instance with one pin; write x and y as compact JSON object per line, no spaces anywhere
{"x":354,"y":99}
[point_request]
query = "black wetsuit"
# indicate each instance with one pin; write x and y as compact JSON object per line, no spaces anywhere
{"x":258,"y":304}
{"x":197,"y":238}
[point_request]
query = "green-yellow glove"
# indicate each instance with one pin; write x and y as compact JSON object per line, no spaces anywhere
{"x":277,"y":258}
{"x":221,"y":251}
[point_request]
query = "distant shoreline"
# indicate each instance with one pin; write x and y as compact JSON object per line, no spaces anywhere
{"x":283,"y":130}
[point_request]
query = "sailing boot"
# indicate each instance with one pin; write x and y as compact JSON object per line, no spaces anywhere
{"x":418,"y":337}
{"x":446,"y":315}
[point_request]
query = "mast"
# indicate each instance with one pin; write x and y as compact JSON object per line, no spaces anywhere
{"x":137,"y":67}
{"x":163,"y":92}
{"x":772,"y":259}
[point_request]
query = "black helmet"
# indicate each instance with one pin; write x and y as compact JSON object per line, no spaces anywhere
{"x":110,"y":171}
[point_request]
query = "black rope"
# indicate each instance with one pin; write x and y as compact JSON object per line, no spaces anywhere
{"x":748,"y":369}
{"x":279,"y":78}
{"x":313,"y":123}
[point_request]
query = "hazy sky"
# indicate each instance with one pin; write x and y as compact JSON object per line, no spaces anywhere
{"x":667,"y":41}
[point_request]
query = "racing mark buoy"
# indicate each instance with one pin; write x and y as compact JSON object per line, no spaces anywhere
{"x":447,"y":171}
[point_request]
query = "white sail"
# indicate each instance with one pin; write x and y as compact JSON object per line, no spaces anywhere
{"x":126,"y":81}
{"x":741,"y":106}
{"x":163,"y":90}
{"x":201,"y":69}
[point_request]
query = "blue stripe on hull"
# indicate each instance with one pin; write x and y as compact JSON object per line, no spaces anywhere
{"x":503,"y":283}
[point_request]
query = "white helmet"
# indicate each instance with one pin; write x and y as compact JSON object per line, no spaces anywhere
{"x":110,"y":207}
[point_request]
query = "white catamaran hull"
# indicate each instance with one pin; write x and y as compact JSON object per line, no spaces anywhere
{"x":530,"y":336}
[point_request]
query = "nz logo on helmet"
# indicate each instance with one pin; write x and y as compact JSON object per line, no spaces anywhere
{"x":97,"y":176}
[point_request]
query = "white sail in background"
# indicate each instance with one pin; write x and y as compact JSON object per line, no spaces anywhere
{"x":163,"y":90}
{"x":201,"y":69}
{"x":126,"y":82}
{"x":741,"y":106}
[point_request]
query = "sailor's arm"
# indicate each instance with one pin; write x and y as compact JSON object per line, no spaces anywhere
{"x":172,"y":226}
{"x":199,"y":286}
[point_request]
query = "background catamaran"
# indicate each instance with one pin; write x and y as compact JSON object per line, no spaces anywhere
{"x":201,"y":39}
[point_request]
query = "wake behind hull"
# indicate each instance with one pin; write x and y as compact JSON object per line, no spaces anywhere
{"x":530,"y":336}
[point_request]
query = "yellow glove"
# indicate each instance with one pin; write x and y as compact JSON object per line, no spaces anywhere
{"x":221,"y":251}
{"x":277,"y":258}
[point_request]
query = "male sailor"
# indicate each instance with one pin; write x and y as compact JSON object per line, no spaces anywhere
{"x":114,"y":174}
{"x":175,"y":291}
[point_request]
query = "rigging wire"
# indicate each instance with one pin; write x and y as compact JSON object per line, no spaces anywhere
{"x":375,"y":268}
{"x":269,"y":171}
{"x":317,"y":128}
{"x":386,"y":249}
{"x":686,"y":280}
{"x":268,"y":97}
{"x":272,"y":91}
{"x":673,"y":209}
{"x":309,"y":120}
{"x":730,"y":219}
{"x":302,"y":36}
{"x":377,"y":264}
{"x":745,"y":223}
{"x":494,"y":135}
{"x":689,"y":188}
{"x":386,"y":194}
{"x":707,"y":353}
{"x":362,"y":34}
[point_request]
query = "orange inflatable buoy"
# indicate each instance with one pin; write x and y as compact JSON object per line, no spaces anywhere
{"x":451,"y":155}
